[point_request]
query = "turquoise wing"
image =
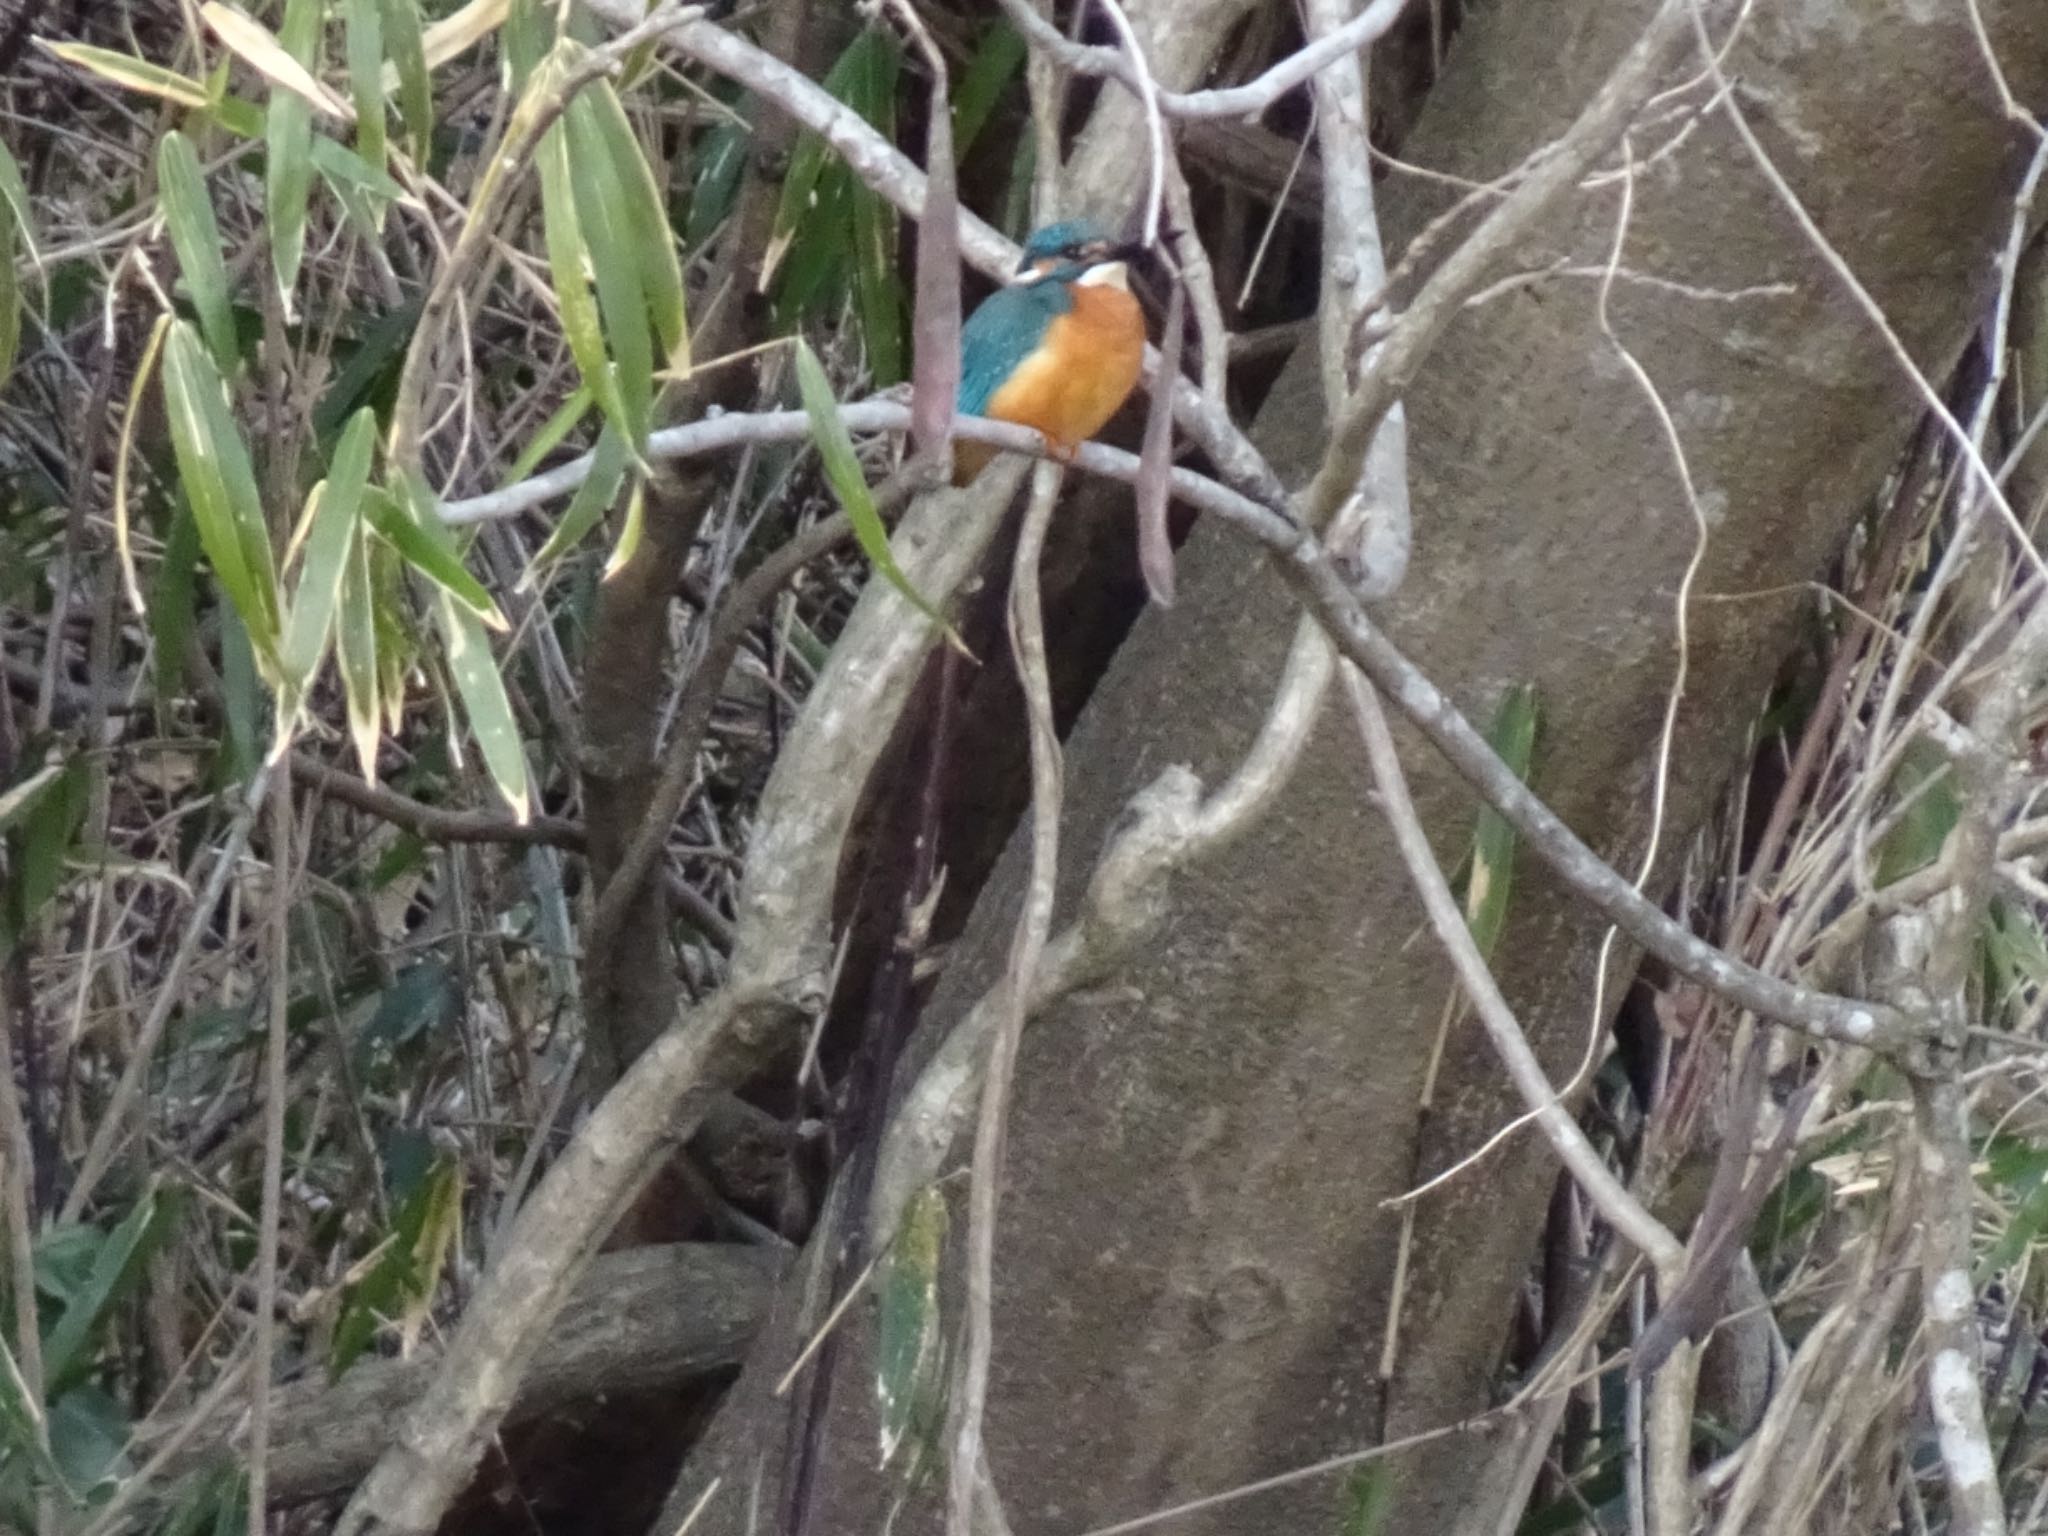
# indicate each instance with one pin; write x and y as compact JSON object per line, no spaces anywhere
{"x":999,"y":335}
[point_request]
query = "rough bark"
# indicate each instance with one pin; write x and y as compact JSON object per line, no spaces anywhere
{"x":1194,"y":1256}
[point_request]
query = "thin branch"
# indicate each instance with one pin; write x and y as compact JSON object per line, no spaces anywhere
{"x":1371,"y":532}
{"x":1247,"y":100}
{"x":1879,"y":1026}
{"x":1623,"y":1211}
{"x":1027,"y":643}
{"x":433,"y":823}
{"x":717,"y":434}
{"x":271,"y":1213}
{"x":1138,"y":75}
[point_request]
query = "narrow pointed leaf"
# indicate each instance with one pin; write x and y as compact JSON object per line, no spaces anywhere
{"x":566,"y":418}
{"x":454,"y":35}
{"x":355,"y":651}
{"x":213,"y":464}
{"x":569,"y":262}
{"x":909,"y":1348}
{"x":124,"y":451}
{"x":288,"y":147}
{"x":14,"y":195}
{"x":132,"y":73}
{"x":646,"y":217}
{"x":615,"y":266}
{"x":587,"y":507}
{"x":982,"y":83}
{"x":842,"y":470}
{"x":363,"y":22}
{"x":1512,"y":734}
{"x":429,"y":552}
{"x":281,"y":58}
{"x":195,"y":236}
{"x":343,"y":167}
{"x":492,"y":724}
{"x":328,"y":546}
{"x":406,"y":46}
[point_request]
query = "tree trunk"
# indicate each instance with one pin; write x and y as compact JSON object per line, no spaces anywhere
{"x":1195,"y":1252}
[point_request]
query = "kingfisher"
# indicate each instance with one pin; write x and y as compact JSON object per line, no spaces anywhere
{"x":1058,"y":348}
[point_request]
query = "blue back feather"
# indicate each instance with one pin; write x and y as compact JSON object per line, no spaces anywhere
{"x":1000,"y":334}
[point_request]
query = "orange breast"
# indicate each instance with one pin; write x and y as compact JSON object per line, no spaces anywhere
{"x":1085,"y":368}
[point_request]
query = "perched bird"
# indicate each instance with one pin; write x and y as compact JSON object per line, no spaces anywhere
{"x":1057,"y":348}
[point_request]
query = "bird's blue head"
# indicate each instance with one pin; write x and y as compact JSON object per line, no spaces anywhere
{"x":1062,"y":252}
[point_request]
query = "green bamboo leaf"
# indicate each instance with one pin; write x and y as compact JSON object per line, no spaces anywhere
{"x":132,"y":73}
{"x":405,"y":43}
{"x":343,"y":167}
{"x":397,"y":648}
{"x":20,"y":798}
{"x":117,"y":1267}
{"x":721,"y":159}
{"x":842,"y":470}
{"x":1513,"y":737}
{"x":1928,"y":788}
{"x":363,"y":23}
{"x":878,"y":286}
{"x":10,"y":294}
{"x":14,"y":199}
{"x":288,"y":152}
{"x":244,"y":119}
{"x":17,"y":228}
{"x":910,"y":1343}
{"x":213,"y":464}
{"x":982,"y":83}
{"x":646,"y":218}
{"x":355,"y":652}
{"x":528,"y":33}
{"x":170,"y":602}
{"x":601,"y":202}
{"x":400,"y":1285}
{"x":569,"y":263}
{"x":609,"y":460}
{"x":566,"y":418}
{"x":195,"y":236}
{"x":328,"y":548}
{"x":21,"y":1419}
{"x":491,"y":721}
{"x":400,"y":522}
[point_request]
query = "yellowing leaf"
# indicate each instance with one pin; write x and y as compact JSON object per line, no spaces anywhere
{"x":132,"y":73}
{"x":258,"y":47}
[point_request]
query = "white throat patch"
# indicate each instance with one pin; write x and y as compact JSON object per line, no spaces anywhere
{"x":1106,"y":274}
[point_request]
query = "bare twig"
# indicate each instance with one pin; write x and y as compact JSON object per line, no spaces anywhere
{"x":114,"y":1124}
{"x":1623,"y":1211}
{"x":1247,"y":100}
{"x":1027,"y":642}
{"x":1370,"y":533}
{"x":434,"y":823}
{"x":271,"y":1214}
